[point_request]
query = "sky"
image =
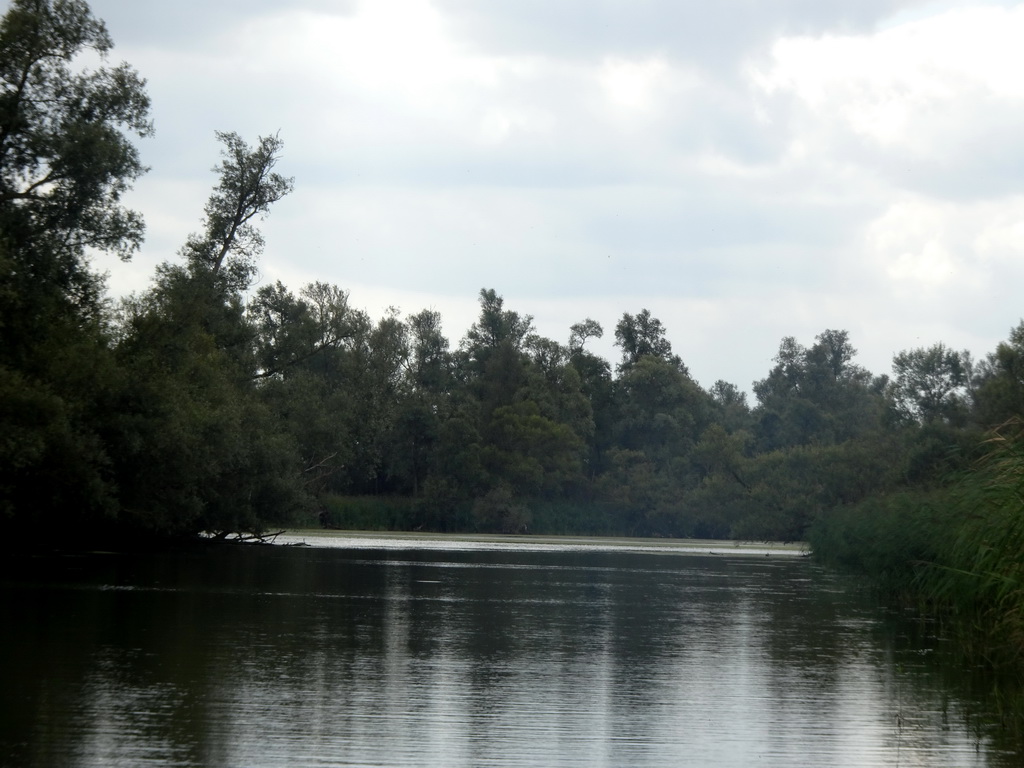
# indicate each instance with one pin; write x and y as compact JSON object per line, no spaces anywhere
{"x":744,"y":170}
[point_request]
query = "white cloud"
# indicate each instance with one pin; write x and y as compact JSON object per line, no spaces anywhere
{"x":907,"y":87}
{"x":634,"y":85}
{"x":398,"y":49}
{"x":911,"y":245}
{"x":955,"y":251}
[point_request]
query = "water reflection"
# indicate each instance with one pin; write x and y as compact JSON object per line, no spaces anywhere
{"x":306,"y":657}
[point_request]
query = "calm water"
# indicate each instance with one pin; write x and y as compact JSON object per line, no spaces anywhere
{"x":284,"y":656}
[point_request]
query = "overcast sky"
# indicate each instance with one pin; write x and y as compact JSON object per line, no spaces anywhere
{"x":746,"y":171}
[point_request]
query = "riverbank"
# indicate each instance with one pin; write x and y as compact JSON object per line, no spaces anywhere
{"x":316,"y":537}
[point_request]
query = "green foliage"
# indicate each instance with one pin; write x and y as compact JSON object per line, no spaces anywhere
{"x":498,"y":511}
{"x":530,"y":453}
{"x":580,"y":332}
{"x":999,"y":388}
{"x":660,"y":409}
{"x":957,"y":550}
{"x":886,"y":537}
{"x":816,"y":395}
{"x":198,"y":446}
{"x":247,"y":187}
{"x":642,"y":335}
{"x":979,"y":570}
{"x":64,"y":160}
{"x":493,"y":345}
{"x":936,"y":451}
{"x":931,"y":384}
{"x":632,"y":485}
{"x":369,"y":513}
{"x":196,"y":453}
{"x":65,"y":163}
{"x":730,"y":405}
{"x":54,"y":459}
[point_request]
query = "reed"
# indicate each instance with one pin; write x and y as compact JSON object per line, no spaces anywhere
{"x":569,"y":518}
{"x":956,"y":552}
{"x":978,"y":574}
{"x":885,"y":538}
{"x":369,"y":513}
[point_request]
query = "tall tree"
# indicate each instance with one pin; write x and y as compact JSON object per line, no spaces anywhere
{"x":731,"y":403}
{"x":298,"y":333}
{"x":661,"y":410}
{"x":248,"y":185}
{"x":220,"y":264}
{"x":580,"y":332}
{"x":815,"y":395}
{"x":642,"y":335}
{"x":427,"y":402}
{"x":492,"y":357}
{"x":497,"y":327}
{"x":930,"y":384}
{"x":66,"y":160}
{"x":201,"y":450}
{"x":999,"y":394}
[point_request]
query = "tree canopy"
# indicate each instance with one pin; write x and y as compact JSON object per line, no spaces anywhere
{"x":66,"y":160}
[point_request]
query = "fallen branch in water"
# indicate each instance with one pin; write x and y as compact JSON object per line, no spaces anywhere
{"x":245,"y":538}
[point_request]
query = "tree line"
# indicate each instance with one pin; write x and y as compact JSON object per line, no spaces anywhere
{"x":207,"y":403}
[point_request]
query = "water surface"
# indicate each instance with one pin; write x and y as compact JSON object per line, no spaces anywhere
{"x":413,"y":655}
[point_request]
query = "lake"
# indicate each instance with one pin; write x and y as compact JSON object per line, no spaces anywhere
{"x":396,"y":651}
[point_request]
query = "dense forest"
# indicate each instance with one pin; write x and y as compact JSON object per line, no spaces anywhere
{"x":210,"y":404}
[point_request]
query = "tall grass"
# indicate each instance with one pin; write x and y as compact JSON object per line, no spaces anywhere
{"x":979,"y":572}
{"x":956,"y":551}
{"x":576,"y":518}
{"x":370,"y":513}
{"x":885,"y":538}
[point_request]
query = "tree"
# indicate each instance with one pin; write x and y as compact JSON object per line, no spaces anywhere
{"x":785,"y":379}
{"x":285,"y":330}
{"x":930,"y":384}
{"x":496,"y":328}
{"x":248,"y":186}
{"x":832,"y":355}
{"x":815,"y":395}
{"x":296,"y":333}
{"x":580,"y":332}
{"x":530,"y":453}
{"x":66,"y":160}
{"x":491,"y":357}
{"x":65,"y":163}
{"x":731,"y":403}
{"x":661,"y":411}
{"x":999,"y":394}
{"x":430,"y":359}
{"x":642,"y":335}
{"x":425,"y":404}
{"x":195,"y":423}
{"x":220,"y":264}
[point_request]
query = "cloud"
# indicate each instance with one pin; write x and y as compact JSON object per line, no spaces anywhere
{"x":715,"y":35}
{"x":932,"y":105}
{"x":951,"y":253}
{"x":635,"y":84}
{"x":191,"y":25}
{"x":745,"y":171}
